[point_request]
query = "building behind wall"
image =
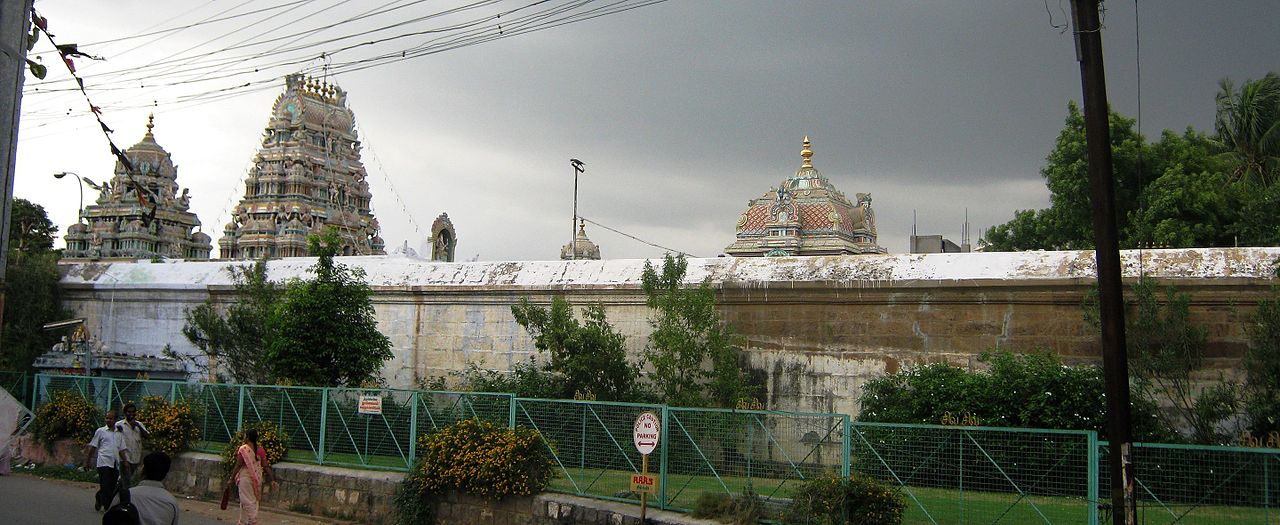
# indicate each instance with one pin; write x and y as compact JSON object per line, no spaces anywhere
{"x":306,"y":177}
{"x":139,"y":213}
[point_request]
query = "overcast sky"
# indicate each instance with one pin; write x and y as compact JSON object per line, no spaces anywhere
{"x":683,"y":111}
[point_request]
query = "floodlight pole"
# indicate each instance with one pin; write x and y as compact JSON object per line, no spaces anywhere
{"x":578,"y":167}
{"x":1088,"y":40}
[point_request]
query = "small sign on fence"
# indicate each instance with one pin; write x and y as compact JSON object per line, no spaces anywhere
{"x":370,"y":405}
{"x":644,"y":484}
{"x":646,"y":432}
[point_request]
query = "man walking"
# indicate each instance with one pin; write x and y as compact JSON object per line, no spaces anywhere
{"x":106,"y":452}
{"x":133,"y":431}
{"x":156,"y":506}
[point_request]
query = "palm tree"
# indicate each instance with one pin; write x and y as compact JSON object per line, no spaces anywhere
{"x":1248,"y":127}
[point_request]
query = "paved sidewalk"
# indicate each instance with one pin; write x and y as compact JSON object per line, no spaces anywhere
{"x":29,"y":499}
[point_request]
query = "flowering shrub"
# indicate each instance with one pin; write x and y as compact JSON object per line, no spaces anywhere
{"x":172,"y":427}
{"x":832,"y":500}
{"x":486,"y":460}
{"x":271,"y":438}
{"x":475,"y":457}
{"x":66,"y":415}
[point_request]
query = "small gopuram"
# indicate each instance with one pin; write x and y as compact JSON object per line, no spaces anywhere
{"x":306,"y":177}
{"x":806,"y":215}
{"x":139,"y":214}
{"x":581,"y":247}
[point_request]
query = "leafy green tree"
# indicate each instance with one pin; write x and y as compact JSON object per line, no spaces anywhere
{"x":1248,"y":127}
{"x":590,"y":356}
{"x":1067,"y":223}
{"x":234,"y":338}
{"x":32,"y":293}
{"x":690,"y":349}
{"x":1262,"y":369}
{"x":1187,"y":210}
{"x":325,"y":332}
{"x":1166,"y":352}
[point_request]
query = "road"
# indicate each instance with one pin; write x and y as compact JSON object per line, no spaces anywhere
{"x":26,"y":499}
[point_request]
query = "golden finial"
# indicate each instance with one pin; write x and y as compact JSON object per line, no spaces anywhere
{"x":151,"y":122}
{"x":807,"y":154}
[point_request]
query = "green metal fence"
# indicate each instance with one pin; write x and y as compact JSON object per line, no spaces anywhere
{"x":947,"y":474}
{"x":1195,"y":484}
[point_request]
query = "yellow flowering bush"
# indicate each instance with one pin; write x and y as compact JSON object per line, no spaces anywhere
{"x":486,"y":460}
{"x":271,"y":438}
{"x":172,"y":427}
{"x":476,"y":457}
{"x":66,"y":415}
{"x":832,"y":500}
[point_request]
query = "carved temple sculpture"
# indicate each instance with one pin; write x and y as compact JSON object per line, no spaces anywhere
{"x":139,"y":214}
{"x":444,"y":240}
{"x":585,"y":248}
{"x":806,"y":215}
{"x":306,"y":177}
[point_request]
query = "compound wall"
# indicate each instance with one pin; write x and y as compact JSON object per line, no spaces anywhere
{"x":815,"y":328}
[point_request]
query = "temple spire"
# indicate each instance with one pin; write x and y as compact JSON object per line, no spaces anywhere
{"x":807,"y":154}
{"x":151,"y":123}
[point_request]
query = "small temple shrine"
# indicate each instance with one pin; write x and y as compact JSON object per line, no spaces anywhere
{"x":306,"y":177}
{"x":806,"y":215}
{"x":581,"y":247}
{"x":140,"y":213}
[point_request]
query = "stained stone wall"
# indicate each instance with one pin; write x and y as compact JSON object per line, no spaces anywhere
{"x":815,"y":328}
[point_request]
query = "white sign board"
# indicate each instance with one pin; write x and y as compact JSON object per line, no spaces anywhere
{"x":370,"y":405}
{"x":646,"y":432}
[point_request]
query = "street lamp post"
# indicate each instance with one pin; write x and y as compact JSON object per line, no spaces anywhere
{"x":578,"y":167}
{"x":80,"y":186}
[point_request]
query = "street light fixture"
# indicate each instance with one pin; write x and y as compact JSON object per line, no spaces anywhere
{"x":578,"y":167}
{"x":82,"y":181}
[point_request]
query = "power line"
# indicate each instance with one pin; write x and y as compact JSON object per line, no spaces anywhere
{"x":634,"y":238}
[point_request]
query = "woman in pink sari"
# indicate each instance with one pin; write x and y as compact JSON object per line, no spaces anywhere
{"x":251,"y":466}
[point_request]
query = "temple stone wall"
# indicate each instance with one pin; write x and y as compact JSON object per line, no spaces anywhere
{"x":816,"y":328}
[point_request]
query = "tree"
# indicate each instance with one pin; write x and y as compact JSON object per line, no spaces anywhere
{"x":590,"y":356}
{"x":1067,"y":223}
{"x":1262,"y":369}
{"x":236,"y":337}
{"x":690,"y":350}
{"x":325,"y":332}
{"x":33,"y":295}
{"x":1248,"y":127}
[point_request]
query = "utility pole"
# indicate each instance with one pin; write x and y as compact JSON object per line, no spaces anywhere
{"x":578,"y":167}
{"x":1115,"y":364}
{"x":15,"y":20}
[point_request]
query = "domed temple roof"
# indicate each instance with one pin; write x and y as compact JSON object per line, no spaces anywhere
{"x":581,"y":247}
{"x":140,"y":212}
{"x":806,"y":215}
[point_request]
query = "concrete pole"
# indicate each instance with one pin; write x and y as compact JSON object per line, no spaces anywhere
{"x":15,"y":20}
{"x":1115,"y":365}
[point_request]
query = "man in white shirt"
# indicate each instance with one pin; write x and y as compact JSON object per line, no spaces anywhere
{"x":133,"y":431}
{"x":156,"y":506}
{"x":105,"y":451}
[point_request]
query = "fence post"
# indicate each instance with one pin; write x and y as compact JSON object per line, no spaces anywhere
{"x":324,"y":425}
{"x":662,"y":468}
{"x":240,"y":411}
{"x":847,"y":467}
{"x":413,"y":429}
{"x":511,"y":411}
{"x":1092,"y":495}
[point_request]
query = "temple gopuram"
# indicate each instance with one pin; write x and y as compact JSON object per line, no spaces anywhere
{"x":806,"y":215}
{"x":139,"y":214}
{"x":306,"y":177}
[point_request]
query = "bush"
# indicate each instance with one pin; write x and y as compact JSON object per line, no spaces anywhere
{"x":1033,"y":390}
{"x":856,"y":499}
{"x":172,"y":427}
{"x":476,"y":457}
{"x":270,"y":437}
{"x":66,"y":415}
{"x":744,"y":509}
